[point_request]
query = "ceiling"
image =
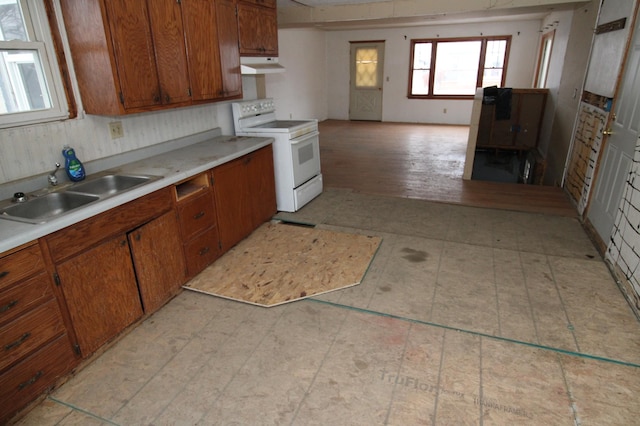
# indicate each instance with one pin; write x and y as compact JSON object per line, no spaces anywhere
{"x":360,"y":14}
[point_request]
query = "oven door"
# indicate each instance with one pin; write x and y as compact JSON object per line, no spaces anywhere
{"x":305,"y":152}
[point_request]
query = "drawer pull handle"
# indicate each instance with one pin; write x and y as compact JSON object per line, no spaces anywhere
{"x":18,"y":342}
{"x":204,"y":251}
{"x":4,"y":274}
{"x":8,"y":306}
{"x":31,"y":380}
{"x":198,"y":215}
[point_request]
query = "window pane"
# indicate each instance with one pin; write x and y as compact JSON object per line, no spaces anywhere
{"x":495,"y":54}
{"x":457,"y":68}
{"x":492,"y":77}
{"x":420,"y":82}
{"x":22,"y":83}
{"x":366,"y":67}
{"x":12,"y":25}
{"x":422,"y":56}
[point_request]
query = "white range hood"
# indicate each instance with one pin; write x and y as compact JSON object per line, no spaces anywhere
{"x":260,"y":65}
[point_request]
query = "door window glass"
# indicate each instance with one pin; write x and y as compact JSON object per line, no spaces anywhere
{"x":366,"y":67}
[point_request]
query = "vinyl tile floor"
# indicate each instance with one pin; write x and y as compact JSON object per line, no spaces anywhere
{"x":466,"y":316}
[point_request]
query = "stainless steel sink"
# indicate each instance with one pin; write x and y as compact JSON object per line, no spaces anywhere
{"x":110,"y":184}
{"x":39,"y":210}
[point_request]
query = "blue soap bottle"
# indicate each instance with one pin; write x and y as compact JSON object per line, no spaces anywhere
{"x":73,"y":166}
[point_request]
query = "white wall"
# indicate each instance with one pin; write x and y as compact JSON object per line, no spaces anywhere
{"x":557,"y":132}
{"x":31,"y":150}
{"x":299,"y":92}
{"x":396,"y":106}
{"x":561,"y":23}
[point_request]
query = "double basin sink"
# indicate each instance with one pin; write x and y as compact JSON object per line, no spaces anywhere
{"x":42,"y":208}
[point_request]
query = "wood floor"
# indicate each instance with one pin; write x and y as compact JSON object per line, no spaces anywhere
{"x":421,"y":161}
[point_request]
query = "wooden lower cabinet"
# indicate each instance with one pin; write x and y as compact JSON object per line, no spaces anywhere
{"x":100,"y":289}
{"x":36,"y":349}
{"x":245,"y":195}
{"x":33,"y":375}
{"x":158,"y":260}
{"x":118,"y":265}
{"x":198,"y":225}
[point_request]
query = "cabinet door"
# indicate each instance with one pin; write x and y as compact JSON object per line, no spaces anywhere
{"x":201,"y":33}
{"x":158,"y":260}
{"x":229,"y":53}
{"x":529,"y":119}
{"x":233,"y":200}
{"x":258,"y":30}
{"x":261,"y":175}
{"x":99,"y":286}
{"x":170,"y":53}
{"x":133,"y":50}
{"x":244,"y":194}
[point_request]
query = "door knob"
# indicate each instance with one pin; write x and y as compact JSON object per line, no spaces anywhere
{"x":607,"y":132}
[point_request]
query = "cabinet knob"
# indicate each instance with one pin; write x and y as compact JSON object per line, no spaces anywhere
{"x":4,"y":274}
{"x":204,"y":251}
{"x":198,"y":215}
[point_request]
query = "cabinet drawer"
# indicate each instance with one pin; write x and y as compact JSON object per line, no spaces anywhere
{"x":196,"y":215}
{"x":27,"y":379}
{"x":202,"y":251}
{"x":19,"y":265}
{"x":24,"y":296}
{"x":20,"y":337}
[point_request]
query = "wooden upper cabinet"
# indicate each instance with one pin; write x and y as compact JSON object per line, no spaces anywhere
{"x":135,"y":59}
{"x":132,"y":56}
{"x":257,"y":29}
{"x":229,"y":51}
{"x":169,"y":43}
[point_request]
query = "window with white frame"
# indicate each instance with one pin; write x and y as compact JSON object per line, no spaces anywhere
{"x":454,"y":68}
{"x":31,"y":89}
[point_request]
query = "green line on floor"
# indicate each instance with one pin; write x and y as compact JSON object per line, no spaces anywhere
{"x":83,"y":411}
{"x":477,"y":333}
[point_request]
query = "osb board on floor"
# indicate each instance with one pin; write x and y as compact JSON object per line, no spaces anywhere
{"x":280,"y":263}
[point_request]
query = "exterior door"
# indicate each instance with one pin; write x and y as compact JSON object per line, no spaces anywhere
{"x":619,"y":146}
{"x":365,"y":91}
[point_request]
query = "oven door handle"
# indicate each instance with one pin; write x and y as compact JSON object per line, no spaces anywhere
{"x":304,"y":137}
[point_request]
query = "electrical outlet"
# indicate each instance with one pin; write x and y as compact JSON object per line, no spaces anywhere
{"x":115,"y":129}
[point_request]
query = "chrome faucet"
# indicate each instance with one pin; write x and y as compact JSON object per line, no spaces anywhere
{"x":53,"y":180}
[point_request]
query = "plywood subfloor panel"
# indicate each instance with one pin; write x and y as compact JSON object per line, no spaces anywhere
{"x":280,"y":263}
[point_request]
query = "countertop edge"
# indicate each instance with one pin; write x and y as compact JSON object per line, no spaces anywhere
{"x":173,"y":166}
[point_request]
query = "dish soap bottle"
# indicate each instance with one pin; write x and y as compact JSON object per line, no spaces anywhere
{"x":73,"y":166}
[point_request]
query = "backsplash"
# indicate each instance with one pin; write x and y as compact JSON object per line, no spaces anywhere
{"x":32,"y":150}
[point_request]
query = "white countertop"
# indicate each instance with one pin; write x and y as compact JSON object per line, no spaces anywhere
{"x":174,"y":166}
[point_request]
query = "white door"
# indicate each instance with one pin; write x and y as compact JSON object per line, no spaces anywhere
{"x":619,"y":147}
{"x":365,"y":91}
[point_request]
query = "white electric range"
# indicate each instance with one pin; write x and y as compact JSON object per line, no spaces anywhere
{"x":296,"y":150}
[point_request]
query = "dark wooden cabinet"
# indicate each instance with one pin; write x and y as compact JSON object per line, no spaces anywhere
{"x":258,"y":27}
{"x":198,"y":223}
{"x":521,"y":130}
{"x":36,"y":348}
{"x":140,"y":55}
{"x":245,"y":194}
{"x":117,"y":265}
{"x":99,"y":286}
{"x":228,"y":41}
{"x":158,"y":260}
